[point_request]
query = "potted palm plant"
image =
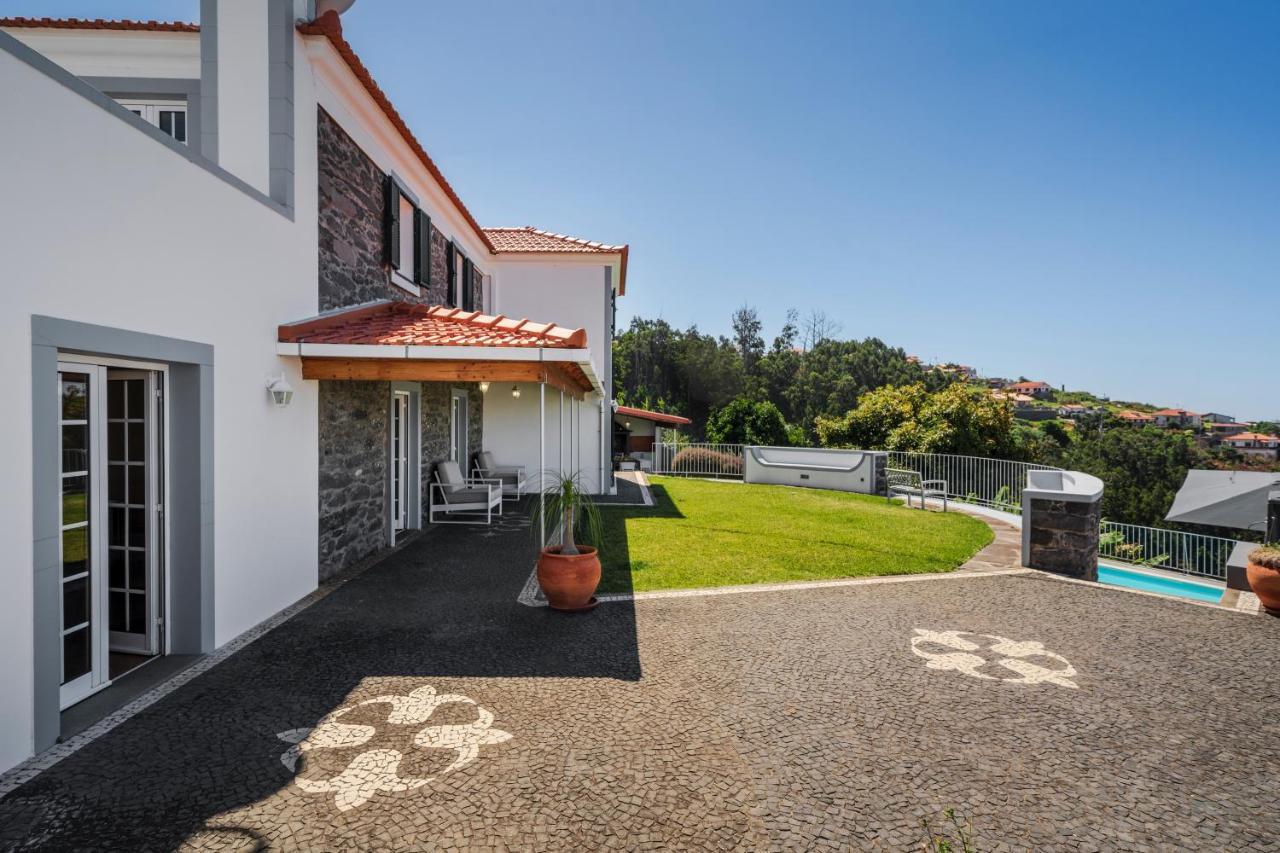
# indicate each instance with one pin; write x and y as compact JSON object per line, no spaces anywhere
{"x":1264,"y":576}
{"x":568,"y":572}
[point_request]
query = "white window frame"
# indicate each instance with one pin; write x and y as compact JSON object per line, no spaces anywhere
{"x":150,"y":109}
{"x":408,"y":258}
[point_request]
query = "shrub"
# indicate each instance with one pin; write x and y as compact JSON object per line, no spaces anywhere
{"x":1267,"y":555}
{"x":703,"y":460}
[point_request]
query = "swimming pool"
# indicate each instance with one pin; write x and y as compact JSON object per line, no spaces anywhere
{"x":1161,"y":583}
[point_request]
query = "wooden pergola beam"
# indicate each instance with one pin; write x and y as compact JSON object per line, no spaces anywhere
{"x":410,"y":370}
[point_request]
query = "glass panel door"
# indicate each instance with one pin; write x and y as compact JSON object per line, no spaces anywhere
{"x":399,"y":460}
{"x":79,"y":431}
{"x":131,"y":499}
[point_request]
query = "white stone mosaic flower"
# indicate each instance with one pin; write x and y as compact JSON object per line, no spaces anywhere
{"x":377,"y":770}
{"x":969,"y":653}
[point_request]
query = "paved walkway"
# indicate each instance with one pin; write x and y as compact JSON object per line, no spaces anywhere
{"x":1050,"y":715}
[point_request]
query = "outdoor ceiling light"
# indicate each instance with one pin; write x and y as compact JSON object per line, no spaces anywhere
{"x":515,"y":391}
{"x":281,"y":390}
{"x":484,"y":387}
{"x":626,"y":424}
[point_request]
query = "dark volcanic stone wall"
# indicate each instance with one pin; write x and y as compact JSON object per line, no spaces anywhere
{"x":435,"y":429}
{"x":353,"y":472}
{"x":1064,"y":537}
{"x":352,"y":198}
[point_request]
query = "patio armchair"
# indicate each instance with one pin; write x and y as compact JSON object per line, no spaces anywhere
{"x":510,"y":477}
{"x":462,"y":500}
{"x":908,"y":483}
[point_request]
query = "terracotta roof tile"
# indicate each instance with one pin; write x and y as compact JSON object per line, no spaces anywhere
{"x":100,"y":24}
{"x":530,"y":239}
{"x":402,"y":324}
{"x":537,"y":241}
{"x":646,"y":415}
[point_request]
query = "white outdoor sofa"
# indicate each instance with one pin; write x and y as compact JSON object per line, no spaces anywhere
{"x":903,"y":481}
{"x":459,"y":500}
{"x":510,"y":477}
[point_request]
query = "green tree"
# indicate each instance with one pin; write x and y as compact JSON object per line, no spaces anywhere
{"x":956,"y":419}
{"x":746,"y":421}
{"x":1142,"y":469}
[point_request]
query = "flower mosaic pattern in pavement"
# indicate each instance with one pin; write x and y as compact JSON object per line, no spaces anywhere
{"x":377,"y":769}
{"x":973,"y":654}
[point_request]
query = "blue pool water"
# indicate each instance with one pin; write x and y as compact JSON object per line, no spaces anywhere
{"x":1158,"y":583}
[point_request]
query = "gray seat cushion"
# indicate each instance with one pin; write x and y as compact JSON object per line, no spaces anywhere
{"x":466,"y":496}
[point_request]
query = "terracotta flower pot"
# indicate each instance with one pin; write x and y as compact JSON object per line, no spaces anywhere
{"x":569,"y":581}
{"x":1265,"y":583}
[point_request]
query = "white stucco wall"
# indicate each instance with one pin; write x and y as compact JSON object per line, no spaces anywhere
{"x":511,"y":433}
{"x":102,"y":224}
{"x":117,"y":53}
{"x":243,"y":102}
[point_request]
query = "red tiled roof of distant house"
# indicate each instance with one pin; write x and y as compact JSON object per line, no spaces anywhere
{"x":657,"y":417}
{"x":402,"y":324}
{"x":1175,"y":413}
{"x":100,"y":24}
{"x":1028,"y":386}
{"x":537,"y":241}
{"x":1134,"y":416}
{"x":1253,"y":436}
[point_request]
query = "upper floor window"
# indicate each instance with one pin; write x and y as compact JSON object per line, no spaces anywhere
{"x":169,"y":116}
{"x":408,"y":238}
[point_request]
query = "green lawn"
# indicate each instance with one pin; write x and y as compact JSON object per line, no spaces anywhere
{"x":704,"y":533}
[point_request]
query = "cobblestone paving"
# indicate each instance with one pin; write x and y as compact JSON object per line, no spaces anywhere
{"x":786,"y":720}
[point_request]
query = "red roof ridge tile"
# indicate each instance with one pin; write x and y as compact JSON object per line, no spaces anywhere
{"x":100,"y":24}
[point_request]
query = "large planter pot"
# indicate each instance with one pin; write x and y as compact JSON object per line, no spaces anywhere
{"x":1265,"y":583}
{"x":569,"y":581}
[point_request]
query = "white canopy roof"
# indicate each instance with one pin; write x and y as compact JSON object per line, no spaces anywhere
{"x":1225,"y":498}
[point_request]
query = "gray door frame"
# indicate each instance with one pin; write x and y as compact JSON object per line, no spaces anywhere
{"x":189,"y":502}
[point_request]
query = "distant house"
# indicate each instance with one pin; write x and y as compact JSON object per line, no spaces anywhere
{"x":1220,"y":430}
{"x":1176,"y":418}
{"x":1255,"y":444}
{"x":996,"y":382}
{"x":636,"y":430}
{"x":1216,"y":418}
{"x":1020,"y":401}
{"x":1136,"y":418}
{"x":1078,"y":410}
{"x":1038,"y":390}
{"x":963,"y":371}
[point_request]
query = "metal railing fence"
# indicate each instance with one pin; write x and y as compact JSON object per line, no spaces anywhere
{"x":1189,"y":553}
{"x":996,"y":483}
{"x":701,"y":460}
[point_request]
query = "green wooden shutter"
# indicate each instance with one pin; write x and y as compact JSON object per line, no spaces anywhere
{"x":468,"y":301}
{"x":391,"y":220}
{"x":422,"y":249}
{"x":450,"y":289}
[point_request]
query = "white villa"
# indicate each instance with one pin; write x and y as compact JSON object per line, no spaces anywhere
{"x":246,"y":316}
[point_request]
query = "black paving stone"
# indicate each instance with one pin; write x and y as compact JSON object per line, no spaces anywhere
{"x":797,"y":720}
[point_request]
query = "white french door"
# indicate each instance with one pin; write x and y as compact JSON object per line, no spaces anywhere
{"x":400,"y":460}
{"x":132,"y":498}
{"x":109,"y":446}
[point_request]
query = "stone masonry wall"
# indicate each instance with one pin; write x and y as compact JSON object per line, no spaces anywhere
{"x":1064,"y":537}
{"x":353,"y":472}
{"x":435,"y":429}
{"x":352,"y":203}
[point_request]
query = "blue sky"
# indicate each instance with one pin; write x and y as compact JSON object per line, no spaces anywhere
{"x":1085,"y":193}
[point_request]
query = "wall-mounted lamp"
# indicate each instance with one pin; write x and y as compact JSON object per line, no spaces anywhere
{"x":515,"y":391}
{"x":281,"y":390}
{"x":626,"y":424}
{"x":484,"y":387}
